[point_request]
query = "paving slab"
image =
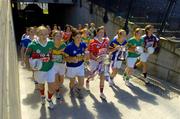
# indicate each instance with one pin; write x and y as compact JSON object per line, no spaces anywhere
{"x":136,"y":102}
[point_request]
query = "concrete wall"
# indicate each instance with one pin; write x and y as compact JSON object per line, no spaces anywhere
{"x":76,"y":15}
{"x":166,"y":64}
{"x":9,"y":82}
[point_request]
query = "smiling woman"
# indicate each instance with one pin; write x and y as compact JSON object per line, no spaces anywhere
{"x":9,"y":82}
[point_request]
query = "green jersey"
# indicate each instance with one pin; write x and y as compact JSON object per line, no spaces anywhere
{"x":133,"y":42}
{"x":57,"y":55}
{"x":36,"y":50}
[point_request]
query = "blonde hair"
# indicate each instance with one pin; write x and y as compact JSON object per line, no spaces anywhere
{"x":84,"y":30}
{"x":92,"y":24}
{"x":137,"y":30}
{"x":55,"y":32}
{"x":40,"y":28}
{"x":121,"y":31}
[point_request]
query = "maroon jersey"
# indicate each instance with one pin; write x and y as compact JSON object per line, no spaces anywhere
{"x":150,"y":41}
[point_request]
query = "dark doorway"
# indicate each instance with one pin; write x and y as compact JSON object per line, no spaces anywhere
{"x":32,"y":15}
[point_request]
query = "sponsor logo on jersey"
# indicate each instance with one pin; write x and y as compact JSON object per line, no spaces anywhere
{"x":38,"y":51}
{"x":74,"y":52}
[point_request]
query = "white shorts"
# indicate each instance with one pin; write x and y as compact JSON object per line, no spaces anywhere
{"x":41,"y":76}
{"x":72,"y":72}
{"x":144,"y":57}
{"x":131,"y":62}
{"x":93,"y":66}
{"x":59,"y":68}
{"x":116,"y":65}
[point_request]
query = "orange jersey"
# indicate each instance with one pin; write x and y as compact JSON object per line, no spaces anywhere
{"x":97,"y":48}
{"x":67,"y":36}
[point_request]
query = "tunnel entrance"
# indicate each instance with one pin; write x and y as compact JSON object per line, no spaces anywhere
{"x":32,"y":14}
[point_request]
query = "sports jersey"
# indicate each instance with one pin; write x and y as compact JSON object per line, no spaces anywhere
{"x":74,"y":51}
{"x":24,"y":36}
{"x":57,"y":56}
{"x":86,"y":40}
{"x":97,"y":48}
{"x":66,"y":36}
{"x":113,"y":44}
{"x":36,"y":50}
{"x":133,"y":42}
{"x":25,"y":41}
{"x":149,"y":41}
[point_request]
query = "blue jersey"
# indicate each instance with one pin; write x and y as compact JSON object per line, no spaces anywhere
{"x":113,"y":44}
{"x":72,"y":50}
{"x":25,"y":42}
{"x":24,"y":36}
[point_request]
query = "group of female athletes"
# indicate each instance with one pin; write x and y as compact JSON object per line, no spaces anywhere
{"x":55,"y":54}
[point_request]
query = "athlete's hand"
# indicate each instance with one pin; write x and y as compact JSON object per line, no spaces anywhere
{"x":118,"y":47}
{"x":132,"y":49}
{"x":145,"y":50}
{"x":30,"y":69}
{"x":35,"y":70}
{"x":61,"y":52}
{"x":99,"y":58}
{"x":74,"y":60}
{"x":86,"y":57}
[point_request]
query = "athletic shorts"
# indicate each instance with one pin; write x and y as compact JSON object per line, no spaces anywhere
{"x":131,"y":61}
{"x":93,"y":65}
{"x":42,"y":77}
{"x":59,"y":68}
{"x":144,"y":57}
{"x":73,"y":72}
{"x":116,"y":65}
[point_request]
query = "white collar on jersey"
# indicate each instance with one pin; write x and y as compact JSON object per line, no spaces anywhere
{"x":95,"y":38}
{"x":43,"y":45}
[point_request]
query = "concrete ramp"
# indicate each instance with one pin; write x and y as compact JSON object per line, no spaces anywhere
{"x":9,"y":79}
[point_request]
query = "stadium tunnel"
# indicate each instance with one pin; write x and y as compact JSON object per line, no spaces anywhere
{"x":26,"y":14}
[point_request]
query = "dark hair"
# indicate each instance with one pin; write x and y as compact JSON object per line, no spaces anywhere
{"x":100,"y":28}
{"x":67,"y":27}
{"x":28,"y":29}
{"x":75,"y":32}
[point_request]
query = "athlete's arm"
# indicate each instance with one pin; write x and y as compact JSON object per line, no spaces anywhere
{"x":113,"y":49}
{"x":71,"y":59}
{"x":131,"y":48}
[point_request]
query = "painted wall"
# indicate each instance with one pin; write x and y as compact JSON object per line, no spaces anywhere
{"x":9,"y":81}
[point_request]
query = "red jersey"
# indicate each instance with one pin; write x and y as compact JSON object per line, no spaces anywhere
{"x":98,"y":48}
{"x":67,"y":36}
